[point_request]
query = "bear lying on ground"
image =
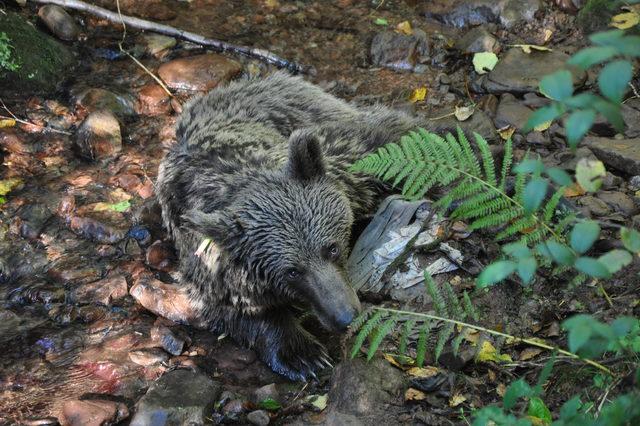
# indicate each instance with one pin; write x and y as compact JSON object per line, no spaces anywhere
{"x":261,"y":168}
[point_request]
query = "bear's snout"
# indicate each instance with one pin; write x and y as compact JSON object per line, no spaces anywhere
{"x":345,"y":318}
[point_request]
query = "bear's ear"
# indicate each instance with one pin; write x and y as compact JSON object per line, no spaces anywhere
{"x":217,"y":226}
{"x":305,"y":156}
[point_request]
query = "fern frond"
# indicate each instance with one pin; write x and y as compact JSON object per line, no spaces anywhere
{"x":360,"y":320}
{"x":454,"y":308}
{"x":507,"y":160}
{"x":443,"y":337}
{"x":421,"y":349}
{"x":468,"y":307}
{"x":436,"y":297}
{"x":366,"y":330}
{"x":381,"y":333}
{"x":406,"y":331}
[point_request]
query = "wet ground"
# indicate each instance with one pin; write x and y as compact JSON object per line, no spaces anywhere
{"x":81,"y":244}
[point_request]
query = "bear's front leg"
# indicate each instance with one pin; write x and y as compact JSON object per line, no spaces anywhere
{"x":280,"y":342}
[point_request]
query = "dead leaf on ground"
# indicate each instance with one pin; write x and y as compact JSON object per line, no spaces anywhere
{"x":7,"y":122}
{"x":527,"y":48}
{"x":456,"y":400}
{"x":506,"y":132}
{"x":501,"y":389}
{"x":488,"y":353}
{"x":463,"y":113}
{"x":423,"y":372}
{"x":404,"y":27}
{"x":529,"y":353}
{"x":625,"y":21}
{"x":574,"y":190}
{"x":400,"y":361}
{"x":414,"y":395}
{"x":418,"y":95}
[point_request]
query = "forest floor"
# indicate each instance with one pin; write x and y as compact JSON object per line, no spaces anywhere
{"x":86,"y":270}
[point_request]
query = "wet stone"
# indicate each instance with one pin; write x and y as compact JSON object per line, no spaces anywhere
{"x":160,"y":256}
{"x":153,"y":100}
{"x":198,"y":73}
{"x":148,"y":356}
{"x":620,"y":154}
{"x":511,"y":112}
{"x":59,"y":22}
{"x":258,"y":418}
{"x":104,"y":291}
{"x":399,"y":51}
{"x":266,"y":392}
{"x":519,"y":72}
{"x":478,"y":39}
{"x":179,"y":397}
{"x":462,"y":13}
{"x":167,"y":339}
{"x":166,"y":300}
{"x":157,"y":44}
{"x":594,"y":205}
{"x":99,"y":137}
{"x":95,"y":99}
{"x":619,"y":202}
{"x":93,"y":413}
{"x":95,"y":230}
{"x":234,"y":408}
{"x":634,"y":183}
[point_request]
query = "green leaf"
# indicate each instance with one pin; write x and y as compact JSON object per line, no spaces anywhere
{"x":516,"y":390}
{"x":518,"y":250}
{"x":381,"y":21}
{"x":607,"y":38}
{"x":539,"y":410}
{"x":592,"y":267}
{"x":534,"y":194}
{"x":590,"y":56}
{"x":495,"y":272}
{"x":484,"y":62}
{"x":527,"y":269}
{"x":122,"y":206}
{"x":269,"y":404}
{"x":583,"y":235}
{"x":615,"y":260}
{"x":543,"y":115}
{"x":559,"y":176}
{"x":611,"y":112}
{"x":580,"y":329}
{"x":577,"y":125}
{"x":589,"y":174}
{"x":557,"y":86}
{"x":560,"y":253}
{"x":534,"y":166}
{"x":614,"y":78}
{"x":631,"y":239}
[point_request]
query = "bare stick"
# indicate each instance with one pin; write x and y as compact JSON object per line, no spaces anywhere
{"x":141,"y":24}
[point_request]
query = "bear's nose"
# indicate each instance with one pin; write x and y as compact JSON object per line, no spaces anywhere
{"x":344,"y":319}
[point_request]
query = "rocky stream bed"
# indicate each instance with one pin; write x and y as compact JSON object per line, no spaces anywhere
{"x":92,"y":329}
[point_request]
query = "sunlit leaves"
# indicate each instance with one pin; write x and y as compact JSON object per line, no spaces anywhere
{"x":614,"y":79}
{"x":557,"y":86}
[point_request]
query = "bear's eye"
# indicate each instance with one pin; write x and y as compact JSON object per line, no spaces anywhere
{"x":293,"y":274}
{"x":334,"y":251}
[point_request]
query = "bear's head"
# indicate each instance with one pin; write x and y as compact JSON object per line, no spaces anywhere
{"x":291,"y":229}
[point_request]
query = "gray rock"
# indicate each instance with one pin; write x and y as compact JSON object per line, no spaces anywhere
{"x":519,"y":72}
{"x":398,"y":51}
{"x":167,"y":339}
{"x":634,"y":183}
{"x":479,"y":123}
{"x":179,"y":397}
{"x":335,"y":418}
{"x":462,"y":13}
{"x":266,"y":392}
{"x":39,"y":64}
{"x":259,"y":418}
{"x":93,"y":412}
{"x":59,"y":22}
{"x":99,"y":137}
{"x":478,"y":39}
{"x":518,"y":10}
{"x":621,"y":154}
{"x":511,"y":112}
{"x":362,"y":388}
{"x":537,"y":138}
{"x":594,"y":205}
{"x":619,"y":201}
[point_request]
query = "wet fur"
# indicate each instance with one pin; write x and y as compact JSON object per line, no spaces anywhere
{"x":248,"y":149}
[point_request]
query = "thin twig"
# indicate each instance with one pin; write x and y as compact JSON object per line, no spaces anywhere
{"x":14,"y":117}
{"x":140,"y":64}
{"x":142,"y":24}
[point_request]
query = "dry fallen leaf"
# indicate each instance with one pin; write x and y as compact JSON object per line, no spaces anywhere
{"x":404,"y":27}
{"x":529,"y":353}
{"x":506,"y":132}
{"x":414,"y":395}
{"x":547,"y":35}
{"x":488,"y":353}
{"x":501,"y":389}
{"x":399,"y":361}
{"x":423,"y":372}
{"x":456,"y":400}
{"x":463,"y":113}
{"x":418,"y":95}
{"x":7,"y":122}
{"x":625,"y":21}
{"x":575,"y":190}
{"x":527,"y":48}
{"x":542,"y":126}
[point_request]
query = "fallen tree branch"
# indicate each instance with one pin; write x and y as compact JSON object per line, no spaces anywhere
{"x":217,"y":45}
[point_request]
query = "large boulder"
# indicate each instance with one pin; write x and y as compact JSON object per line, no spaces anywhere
{"x":31,"y":62}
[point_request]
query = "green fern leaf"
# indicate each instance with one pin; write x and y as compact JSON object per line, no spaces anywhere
{"x":468,"y":307}
{"x":421,"y":349}
{"x":443,"y":336}
{"x":366,"y":330}
{"x":383,"y":331}
{"x":406,"y":331}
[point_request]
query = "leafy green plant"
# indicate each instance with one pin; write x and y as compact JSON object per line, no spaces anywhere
{"x":6,"y":54}
{"x":580,"y":110}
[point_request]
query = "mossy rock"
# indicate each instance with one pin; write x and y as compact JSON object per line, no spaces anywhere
{"x":33,"y":62}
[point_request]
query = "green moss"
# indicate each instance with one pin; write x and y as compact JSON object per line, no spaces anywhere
{"x":36,"y":62}
{"x":595,"y":15}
